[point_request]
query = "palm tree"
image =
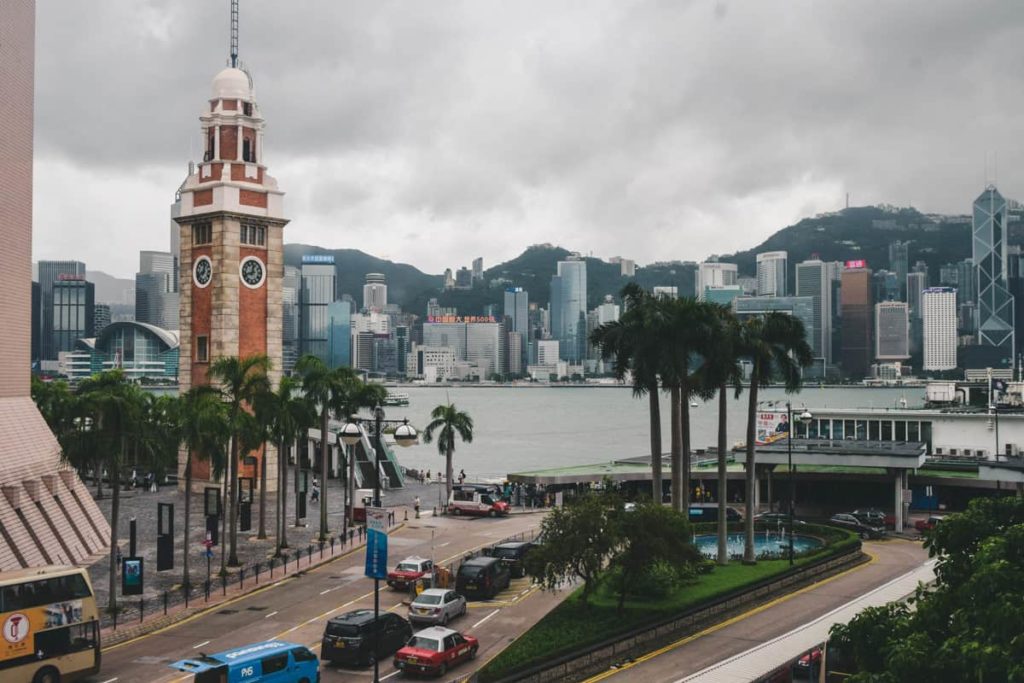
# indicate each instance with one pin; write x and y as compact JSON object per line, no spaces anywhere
{"x":356,"y":395}
{"x":721,"y":368}
{"x":685,"y":330}
{"x":241,"y":380}
{"x":288,"y":414}
{"x":776,"y":345}
{"x":328,"y":388}
{"x":111,"y":408}
{"x":203,"y":431}
{"x":448,"y":422}
{"x":636,"y":352}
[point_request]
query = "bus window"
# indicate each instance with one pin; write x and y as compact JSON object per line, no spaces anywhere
{"x":217,"y":675}
{"x":302,"y":654}
{"x":274,"y":663}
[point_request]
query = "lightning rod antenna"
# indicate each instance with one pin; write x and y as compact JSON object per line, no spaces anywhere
{"x":234,"y":33}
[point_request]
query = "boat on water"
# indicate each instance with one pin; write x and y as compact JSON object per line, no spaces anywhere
{"x":396,"y":399}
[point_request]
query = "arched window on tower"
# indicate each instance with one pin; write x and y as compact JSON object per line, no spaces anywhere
{"x":247,"y":151}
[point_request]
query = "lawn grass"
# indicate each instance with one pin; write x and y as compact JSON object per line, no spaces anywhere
{"x":573,"y":626}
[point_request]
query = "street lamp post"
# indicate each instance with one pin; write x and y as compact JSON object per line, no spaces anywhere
{"x":805,"y":419}
{"x":350,"y":434}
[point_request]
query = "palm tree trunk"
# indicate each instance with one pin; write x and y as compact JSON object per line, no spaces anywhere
{"x":351,"y":485}
{"x":282,"y":498}
{"x":684,"y":434}
{"x":262,"y":531}
{"x":723,"y":525}
{"x":656,"y":476}
{"x":347,"y":450}
{"x":115,"y":511}
{"x":224,"y":517}
{"x":676,"y":443}
{"x":300,"y":452}
{"x":233,"y":506}
{"x":748,"y":522}
{"x":448,"y":468}
{"x":188,"y":520}
{"x":323,"y":474}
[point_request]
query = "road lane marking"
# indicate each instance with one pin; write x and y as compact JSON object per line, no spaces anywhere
{"x":271,"y":614}
{"x":477,"y":624}
{"x":390,"y":675}
{"x":110,"y":680}
{"x":196,"y":647}
{"x":728,"y":622}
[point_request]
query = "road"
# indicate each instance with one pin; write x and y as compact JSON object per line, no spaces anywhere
{"x":296,"y":609}
{"x":890,"y":558}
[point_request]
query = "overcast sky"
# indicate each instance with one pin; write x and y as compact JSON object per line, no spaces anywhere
{"x":431,"y":132}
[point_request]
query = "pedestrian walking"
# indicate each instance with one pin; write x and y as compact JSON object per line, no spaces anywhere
{"x":314,"y":495}
{"x":428,"y":476}
{"x":462,"y":476}
{"x":416,"y":506}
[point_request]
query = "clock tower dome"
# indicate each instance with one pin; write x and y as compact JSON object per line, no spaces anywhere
{"x":231,"y":220}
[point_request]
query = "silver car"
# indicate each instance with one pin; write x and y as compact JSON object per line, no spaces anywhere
{"x":437,"y":606}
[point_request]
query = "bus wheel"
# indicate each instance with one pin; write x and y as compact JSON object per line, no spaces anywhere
{"x":47,"y":675}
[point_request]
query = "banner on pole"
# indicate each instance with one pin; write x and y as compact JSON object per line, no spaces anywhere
{"x":771,"y":426}
{"x":376,"y":543}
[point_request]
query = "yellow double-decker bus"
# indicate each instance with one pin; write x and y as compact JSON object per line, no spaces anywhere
{"x":51,"y":629}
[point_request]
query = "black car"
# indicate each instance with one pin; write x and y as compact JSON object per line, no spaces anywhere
{"x":482,"y":577}
{"x":853,"y":524}
{"x":513,"y":554}
{"x":349,"y":638}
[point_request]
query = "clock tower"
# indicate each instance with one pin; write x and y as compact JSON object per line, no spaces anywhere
{"x":231,"y":221}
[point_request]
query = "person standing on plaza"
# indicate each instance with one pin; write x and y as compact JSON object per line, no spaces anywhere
{"x":314,"y":495}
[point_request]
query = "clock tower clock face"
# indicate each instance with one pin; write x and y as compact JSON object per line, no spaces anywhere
{"x":202,"y":271}
{"x":252,"y":271}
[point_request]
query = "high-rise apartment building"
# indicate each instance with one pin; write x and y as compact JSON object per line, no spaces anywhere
{"x":812,"y":280}
{"x":463,"y":278}
{"x":966,"y":282}
{"x":608,"y":311}
{"x":627,"y":267}
{"x":949,"y":275}
{"x":478,"y":269}
{"x":290,"y":286}
{"x":899,"y":262}
{"x":51,"y":272}
{"x":858,"y":320}
{"x":316,"y":293}
{"x":995,"y":303}
{"x":47,"y":516}
{"x":156,"y":290}
{"x":892,"y":331}
{"x":100,"y":318}
{"x":517,"y":309}
{"x":771,"y":273}
{"x":487,"y":348}
{"x":916,"y":284}
{"x":939,"y":319}
{"x":569,"y":309}
{"x":714,"y":274}
{"x":375,"y":292}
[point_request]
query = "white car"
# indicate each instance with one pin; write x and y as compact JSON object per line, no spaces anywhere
{"x":436,"y":606}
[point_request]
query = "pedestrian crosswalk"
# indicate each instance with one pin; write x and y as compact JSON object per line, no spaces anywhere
{"x":516,"y":591}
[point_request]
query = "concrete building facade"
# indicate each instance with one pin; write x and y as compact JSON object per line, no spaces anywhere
{"x":892,"y":331}
{"x":938,"y":306}
{"x":772,"y":269}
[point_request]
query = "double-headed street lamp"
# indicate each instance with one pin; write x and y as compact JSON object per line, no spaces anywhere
{"x":350,"y":434}
{"x":805,"y":419}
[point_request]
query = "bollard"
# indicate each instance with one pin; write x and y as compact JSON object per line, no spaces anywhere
{"x":115,"y":616}
{"x":224,"y":584}
{"x":271,"y":568}
{"x":141,"y":609}
{"x":309,"y":555}
{"x":257,"y":573}
{"x":165,"y":603}
{"x":406,"y":516}
{"x":321,"y":550}
{"x":187,"y":590}
{"x":241,"y":577}
{"x":332,"y":546}
{"x":207,"y":586}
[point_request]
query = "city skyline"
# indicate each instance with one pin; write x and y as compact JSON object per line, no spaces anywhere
{"x":417,"y":170}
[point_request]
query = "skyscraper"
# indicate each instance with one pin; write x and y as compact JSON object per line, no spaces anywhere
{"x":47,"y":516}
{"x":290,"y":287}
{"x":966,"y":282}
{"x":713,"y":274}
{"x":800,"y":307}
{"x":100,"y":318}
{"x":771,"y":273}
{"x":899,"y":262}
{"x":156,"y":292}
{"x":316,"y":293}
{"x":517,"y":306}
{"x":51,"y":272}
{"x":939,"y":311}
{"x":915,"y":285}
{"x":375,"y":292}
{"x":858,"y":318}
{"x":892,"y":331}
{"x":812,"y":280}
{"x":995,"y":303}
{"x":73,"y":303}
{"x":339,"y":334}
{"x":478,"y":269}
{"x":569,"y":309}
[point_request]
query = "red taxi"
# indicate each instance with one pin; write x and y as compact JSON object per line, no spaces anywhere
{"x":409,"y":571}
{"x":435,"y":650}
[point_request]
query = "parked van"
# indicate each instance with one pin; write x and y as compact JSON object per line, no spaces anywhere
{"x":482,"y":577}
{"x":708,"y":512}
{"x":272,"y":661}
{"x":475,"y":502}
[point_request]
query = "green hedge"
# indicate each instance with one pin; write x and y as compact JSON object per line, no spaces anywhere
{"x":572,"y":626}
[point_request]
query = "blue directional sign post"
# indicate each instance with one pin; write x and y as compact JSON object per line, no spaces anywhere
{"x":376,"y":543}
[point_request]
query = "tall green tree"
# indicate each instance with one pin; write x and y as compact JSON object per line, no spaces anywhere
{"x":110,"y":410}
{"x":448,"y":422}
{"x":240,"y":381}
{"x":776,"y":344}
{"x":637,"y":353}
{"x":203,"y":430}
{"x":685,"y":329}
{"x":289,"y":415}
{"x":720,"y":370}
{"x":329,"y":389}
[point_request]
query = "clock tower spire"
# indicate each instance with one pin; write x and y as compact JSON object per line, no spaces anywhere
{"x":230,"y":215}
